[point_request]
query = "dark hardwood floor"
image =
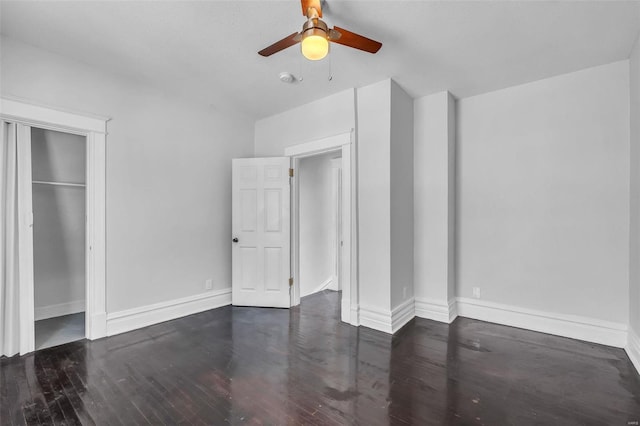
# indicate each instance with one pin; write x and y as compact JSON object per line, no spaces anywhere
{"x":302,"y":366}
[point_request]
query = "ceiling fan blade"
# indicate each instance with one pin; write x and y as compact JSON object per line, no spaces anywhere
{"x":288,"y":41}
{"x":347,"y":38}
{"x":306,"y":4}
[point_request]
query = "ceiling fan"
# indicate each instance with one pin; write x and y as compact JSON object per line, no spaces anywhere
{"x":315,"y":36}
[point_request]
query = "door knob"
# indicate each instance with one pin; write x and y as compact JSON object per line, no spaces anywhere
{"x":235,"y":240}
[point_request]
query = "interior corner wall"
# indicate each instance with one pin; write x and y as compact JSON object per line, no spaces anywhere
{"x":401,"y":196}
{"x":168,"y":174}
{"x":325,"y":117}
{"x":434,"y":192}
{"x":543,"y":195}
{"x":374,"y":202}
{"x":634,"y":231}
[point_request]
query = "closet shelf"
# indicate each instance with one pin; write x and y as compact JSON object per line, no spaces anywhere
{"x":44,"y":182}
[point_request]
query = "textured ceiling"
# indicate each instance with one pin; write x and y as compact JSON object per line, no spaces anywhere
{"x":206,"y":50}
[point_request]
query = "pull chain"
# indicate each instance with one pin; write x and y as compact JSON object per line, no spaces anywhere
{"x":330,"y":73}
{"x":300,"y":68}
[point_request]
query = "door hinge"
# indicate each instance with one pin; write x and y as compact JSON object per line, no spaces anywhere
{"x":290,"y":282}
{"x":290,"y":172}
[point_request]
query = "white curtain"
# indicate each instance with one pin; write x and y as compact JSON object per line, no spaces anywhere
{"x":9,"y":276}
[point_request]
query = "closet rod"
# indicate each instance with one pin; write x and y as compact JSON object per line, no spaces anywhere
{"x":44,"y":182}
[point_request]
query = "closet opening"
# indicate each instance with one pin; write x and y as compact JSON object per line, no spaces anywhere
{"x":68,"y":175}
{"x":320,"y":214}
{"x":58,"y":171}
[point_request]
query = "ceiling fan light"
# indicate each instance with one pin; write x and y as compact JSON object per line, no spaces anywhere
{"x":315,"y":44}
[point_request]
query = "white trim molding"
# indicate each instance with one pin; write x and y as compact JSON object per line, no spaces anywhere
{"x":354,"y":315}
{"x":60,"y":309}
{"x":572,"y":326}
{"x":96,"y":246}
{"x":436,"y":310}
{"x":633,"y":348}
{"x":318,"y":146}
{"x":402,"y":314}
{"x":345,"y":304}
{"x":323,"y":286}
{"x":387,"y":321}
{"x":144,"y":316}
{"x":348,"y":262}
{"x":376,"y":319}
{"x":32,"y":114}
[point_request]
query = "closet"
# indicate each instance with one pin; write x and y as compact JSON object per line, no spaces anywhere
{"x":58,"y":169}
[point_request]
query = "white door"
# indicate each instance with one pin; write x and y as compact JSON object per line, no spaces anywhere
{"x":260,"y":232}
{"x":25,"y":241}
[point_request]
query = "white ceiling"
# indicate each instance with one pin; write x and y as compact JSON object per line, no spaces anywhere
{"x":206,"y":50}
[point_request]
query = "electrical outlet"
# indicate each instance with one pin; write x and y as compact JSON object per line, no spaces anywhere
{"x":476,"y":292}
{"x":208,"y":284}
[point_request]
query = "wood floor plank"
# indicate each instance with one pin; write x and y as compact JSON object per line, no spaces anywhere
{"x":87,"y":381}
{"x":63,"y":366}
{"x":41,"y":408}
{"x":238,"y":365}
{"x":9,"y":393}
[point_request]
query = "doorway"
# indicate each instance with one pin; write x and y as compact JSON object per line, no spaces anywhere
{"x":92,"y":132}
{"x":319,"y":222}
{"x":265,"y":231}
{"x":347,"y":276}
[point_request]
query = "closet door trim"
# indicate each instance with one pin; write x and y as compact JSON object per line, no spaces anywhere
{"x":45,"y":117}
{"x":94,"y":129}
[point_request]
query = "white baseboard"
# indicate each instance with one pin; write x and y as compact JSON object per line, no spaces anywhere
{"x":131,"y":319}
{"x":453,"y":309}
{"x":51,"y":311}
{"x":376,"y":319}
{"x":436,"y":310}
{"x":633,"y":348}
{"x":97,"y":326}
{"x":387,"y":321}
{"x":349,"y":314}
{"x":575,"y":327}
{"x":333,"y":285}
{"x":325,"y":285}
{"x":402,"y":314}
{"x":345,"y":310}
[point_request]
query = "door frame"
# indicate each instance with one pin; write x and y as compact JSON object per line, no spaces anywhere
{"x":342,"y":142}
{"x":94,"y":129}
{"x":336,"y":183}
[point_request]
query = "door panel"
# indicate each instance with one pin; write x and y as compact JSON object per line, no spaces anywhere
{"x":261,"y":232}
{"x":272,"y":271}
{"x":249,"y":210}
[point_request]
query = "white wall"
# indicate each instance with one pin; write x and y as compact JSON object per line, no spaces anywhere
{"x":543,"y":194}
{"x":385,"y":196}
{"x":59,"y":219}
{"x":401,"y":195}
{"x":374,"y":188}
{"x":434,"y":191}
{"x":168,"y":174}
{"x":317,"y":222}
{"x":634,"y":230}
{"x":316,"y":120}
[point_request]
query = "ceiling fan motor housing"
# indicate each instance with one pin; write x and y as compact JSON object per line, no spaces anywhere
{"x":315,"y":26}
